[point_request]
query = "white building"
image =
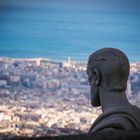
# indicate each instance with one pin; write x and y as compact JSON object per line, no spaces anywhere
{"x":128,"y":90}
{"x":3,"y":83}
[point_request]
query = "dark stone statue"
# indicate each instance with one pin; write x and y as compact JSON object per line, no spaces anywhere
{"x":108,"y":71}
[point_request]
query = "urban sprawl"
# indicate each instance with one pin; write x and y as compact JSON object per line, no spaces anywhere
{"x":40,"y":97}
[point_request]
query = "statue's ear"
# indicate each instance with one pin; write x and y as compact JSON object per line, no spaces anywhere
{"x":97,"y":77}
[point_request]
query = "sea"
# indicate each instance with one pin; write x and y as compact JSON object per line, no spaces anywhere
{"x":61,"y":29}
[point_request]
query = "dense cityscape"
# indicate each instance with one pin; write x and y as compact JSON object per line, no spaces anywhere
{"x":43,"y":97}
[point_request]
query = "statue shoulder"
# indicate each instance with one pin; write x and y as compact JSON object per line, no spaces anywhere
{"x":121,"y":118}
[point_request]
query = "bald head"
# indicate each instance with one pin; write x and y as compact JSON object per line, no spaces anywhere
{"x":113,"y":67}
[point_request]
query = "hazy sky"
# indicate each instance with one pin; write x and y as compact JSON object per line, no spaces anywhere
{"x":99,"y":4}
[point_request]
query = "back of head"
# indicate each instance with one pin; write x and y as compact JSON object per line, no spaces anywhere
{"x":113,"y":66}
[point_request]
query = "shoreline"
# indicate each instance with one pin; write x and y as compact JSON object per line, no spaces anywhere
{"x":41,"y":58}
{"x":49,"y":59}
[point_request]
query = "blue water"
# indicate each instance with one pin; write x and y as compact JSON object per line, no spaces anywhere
{"x":56,"y":31}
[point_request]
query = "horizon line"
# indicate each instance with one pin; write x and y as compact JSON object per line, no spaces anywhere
{"x":55,"y":60}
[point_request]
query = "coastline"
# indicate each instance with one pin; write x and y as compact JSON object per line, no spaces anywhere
{"x":50,"y":60}
{"x":40,"y":59}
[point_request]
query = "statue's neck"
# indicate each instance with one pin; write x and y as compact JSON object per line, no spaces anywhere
{"x":112,"y":99}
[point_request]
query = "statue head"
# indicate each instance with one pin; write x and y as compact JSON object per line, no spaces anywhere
{"x":107,"y":68}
